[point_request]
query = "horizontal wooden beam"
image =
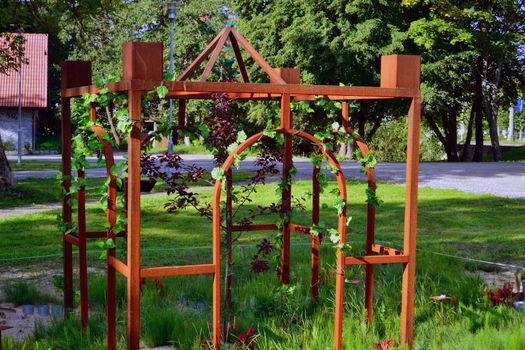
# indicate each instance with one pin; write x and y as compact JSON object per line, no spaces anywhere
{"x":299,"y":228}
{"x":377,"y":248}
{"x":256,"y":88}
{"x":257,"y":227}
{"x":71,"y":239}
{"x":376,"y":259}
{"x":118,"y":265}
{"x":177,"y":270}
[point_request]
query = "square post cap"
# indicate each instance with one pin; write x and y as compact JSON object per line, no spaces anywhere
{"x":289,"y":75}
{"x":75,"y":74}
{"x":142,"y":61}
{"x":400,"y":71}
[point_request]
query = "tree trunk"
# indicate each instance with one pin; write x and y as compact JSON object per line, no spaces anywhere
{"x":449,"y":139}
{"x":452,"y":136}
{"x":490,"y":107}
{"x":478,"y":150}
{"x":342,"y":149}
{"x":510,"y":135}
{"x":465,"y":156}
{"x":7,"y":180}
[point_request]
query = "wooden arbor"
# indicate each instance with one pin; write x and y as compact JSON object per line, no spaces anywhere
{"x":142,"y":71}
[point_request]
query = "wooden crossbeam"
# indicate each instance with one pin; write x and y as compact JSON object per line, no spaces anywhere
{"x":178,"y":270}
{"x":257,"y":57}
{"x":239,"y":59}
{"x":71,"y":239}
{"x":215,"y":54}
{"x":299,"y":228}
{"x":377,"y":248}
{"x":256,"y":227}
{"x":180,"y":87}
{"x":376,"y":259}
{"x":196,"y":63}
{"x":118,"y":265}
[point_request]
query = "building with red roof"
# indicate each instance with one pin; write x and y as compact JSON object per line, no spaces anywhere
{"x":34,"y":80}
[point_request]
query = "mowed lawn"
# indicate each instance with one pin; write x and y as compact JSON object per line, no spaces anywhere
{"x":473,"y":225}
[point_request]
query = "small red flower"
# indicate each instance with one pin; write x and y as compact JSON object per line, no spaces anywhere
{"x":385,"y":345}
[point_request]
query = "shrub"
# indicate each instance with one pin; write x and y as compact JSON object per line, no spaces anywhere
{"x":389,"y":144}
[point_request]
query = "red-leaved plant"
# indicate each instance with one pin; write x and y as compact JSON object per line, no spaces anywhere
{"x":247,"y":339}
{"x":503,"y":295}
{"x":387,"y":344}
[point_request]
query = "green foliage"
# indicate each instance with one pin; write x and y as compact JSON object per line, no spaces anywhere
{"x":372,"y":199}
{"x":217,"y":173}
{"x":105,"y":245}
{"x":390,"y":143}
{"x":332,"y":42}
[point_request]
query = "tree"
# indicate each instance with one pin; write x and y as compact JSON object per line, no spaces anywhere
{"x":331,"y":42}
{"x":447,"y":50}
{"x":488,"y":36}
{"x":11,"y":54}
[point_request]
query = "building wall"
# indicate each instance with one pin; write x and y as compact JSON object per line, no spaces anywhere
{"x":9,"y":127}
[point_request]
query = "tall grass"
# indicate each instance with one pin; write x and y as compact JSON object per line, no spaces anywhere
{"x":21,"y":292}
{"x":179,"y":313}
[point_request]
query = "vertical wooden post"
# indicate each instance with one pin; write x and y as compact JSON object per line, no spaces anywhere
{"x":111,"y":307}
{"x":66,"y":204}
{"x":216,"y":317}
{"x":412,"y":170}
{"x":404,"y":71}
{"x":344,"y":113}
{"x":133,"y":282}
{"x":82,"y":253}
{"x":140,"y":61}
{"x":286,"y":206}
{"x":182,"y":114}
{"x":340,"y":268}
{"x":315,"y":238}
{"x":73,"y":74}
{"x":370,"y":238}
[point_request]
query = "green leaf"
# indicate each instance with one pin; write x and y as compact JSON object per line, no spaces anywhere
{"x":339,"y":204}
{"x":217,"y":173}
{"x":237,"y":161}
{"x":346,"y":248}
{"x":268,"y":131}
{"x":232,"y":147}
{"x":162,"y":91}
{"x":334,"y":235}
{"x":241,"y":137}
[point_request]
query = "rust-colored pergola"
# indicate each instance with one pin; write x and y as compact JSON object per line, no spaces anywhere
{"x":142,"y":71}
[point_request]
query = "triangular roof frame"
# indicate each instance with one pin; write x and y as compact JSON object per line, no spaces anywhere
{"x":215,"y":47}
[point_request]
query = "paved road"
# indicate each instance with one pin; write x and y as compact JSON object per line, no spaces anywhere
{"x":506,"y":179}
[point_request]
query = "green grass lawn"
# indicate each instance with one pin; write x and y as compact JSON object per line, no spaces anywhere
{"x":42,"y":191}
{"x":470,"y":224}
{"x":480,"y":226}
{"x":35,"y":165}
